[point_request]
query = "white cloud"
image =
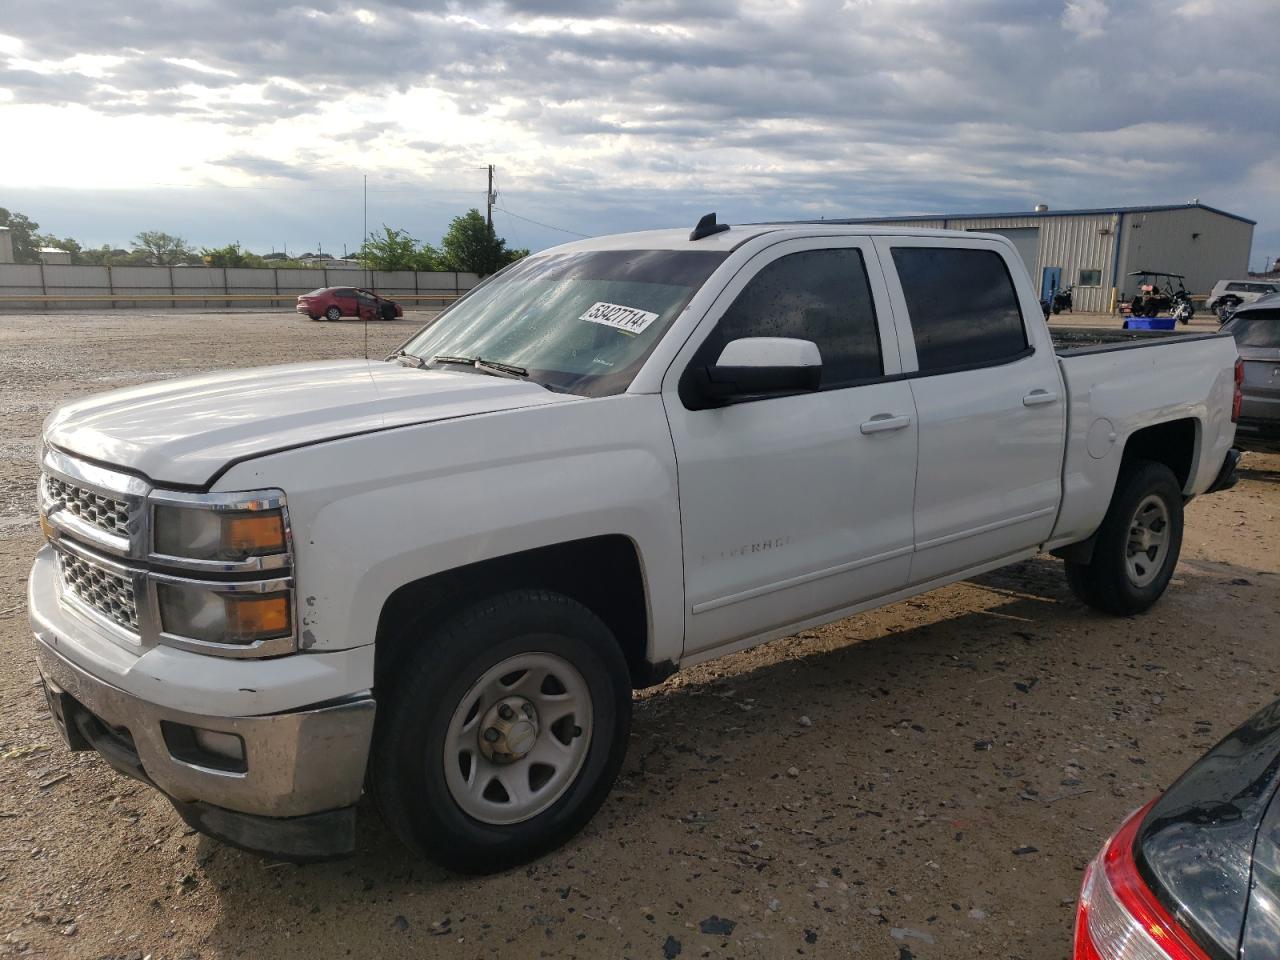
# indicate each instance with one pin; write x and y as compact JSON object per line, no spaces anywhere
{"x":1085,"y":18}
{"x":621,"y":113}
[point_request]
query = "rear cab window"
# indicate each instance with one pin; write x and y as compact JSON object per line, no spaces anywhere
{"x":963,"y":307}
{"x":1257,"y":328}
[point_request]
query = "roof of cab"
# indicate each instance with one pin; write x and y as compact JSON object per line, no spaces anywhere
{"x":736,"y":235}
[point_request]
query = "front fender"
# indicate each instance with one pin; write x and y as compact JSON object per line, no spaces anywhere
{"x":373,"y":512}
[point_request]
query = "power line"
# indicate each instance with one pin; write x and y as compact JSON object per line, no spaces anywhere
{"x":575,"y":233}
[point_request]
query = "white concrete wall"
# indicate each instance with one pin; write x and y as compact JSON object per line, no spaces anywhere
{"x":6,"y":245}
{"x":115,"y":285}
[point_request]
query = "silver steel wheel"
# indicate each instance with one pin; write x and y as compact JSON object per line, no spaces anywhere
{"x":518,"y":738}
{"x":1148,"y":541}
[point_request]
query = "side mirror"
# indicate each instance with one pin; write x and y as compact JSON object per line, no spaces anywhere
{"x":757,"y":367}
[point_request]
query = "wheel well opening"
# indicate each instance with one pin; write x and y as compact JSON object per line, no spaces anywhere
{"x":601,"y":573}
{"x":1172,"y":443}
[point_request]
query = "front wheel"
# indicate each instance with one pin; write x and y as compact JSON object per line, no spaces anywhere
{"x":1137,"y":546}
{"x":504,"y":733}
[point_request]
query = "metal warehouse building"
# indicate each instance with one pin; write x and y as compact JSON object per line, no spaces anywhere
{"x":1097,"y":249}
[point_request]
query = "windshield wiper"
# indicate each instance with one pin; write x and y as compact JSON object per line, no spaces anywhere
{"x":408,"y":359}
{"x":485,"y":366}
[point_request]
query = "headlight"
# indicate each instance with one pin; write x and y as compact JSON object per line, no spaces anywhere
{"x":225,"y":578}
{"x":219,"y":533}
{"x":210,"y":614}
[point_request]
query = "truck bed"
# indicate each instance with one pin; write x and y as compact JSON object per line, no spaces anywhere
{"x":1072,"y":341}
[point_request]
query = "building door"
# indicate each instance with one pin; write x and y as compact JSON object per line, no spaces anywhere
{"x":1050,"y":282}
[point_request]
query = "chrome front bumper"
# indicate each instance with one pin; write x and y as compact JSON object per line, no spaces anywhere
{"x":266,"y":754}
{"x":294,"y":764}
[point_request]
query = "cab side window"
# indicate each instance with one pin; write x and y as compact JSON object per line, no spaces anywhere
{"x":963,"y":307}
{"x":818,"y":295}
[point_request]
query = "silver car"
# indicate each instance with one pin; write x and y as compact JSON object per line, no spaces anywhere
{"x":1239,"y":292}
{"x":1256,"y":328}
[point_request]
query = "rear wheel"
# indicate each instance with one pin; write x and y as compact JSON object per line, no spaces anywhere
{"x":314,"y":316}
{"x":333,"y":313}
{"x":504,"y":733}
{"x":1137,"y":546}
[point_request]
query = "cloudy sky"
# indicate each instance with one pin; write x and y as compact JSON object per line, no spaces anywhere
{"x":255,"y":121}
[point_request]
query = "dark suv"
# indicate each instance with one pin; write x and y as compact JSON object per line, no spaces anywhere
{"x":1256,"y":327}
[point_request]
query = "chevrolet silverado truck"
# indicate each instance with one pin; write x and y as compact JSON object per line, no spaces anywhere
{"x":439,"y":576}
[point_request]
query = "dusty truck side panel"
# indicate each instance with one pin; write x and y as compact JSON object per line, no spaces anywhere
{"x":1114,"y":393}
{"x":382,"y":510}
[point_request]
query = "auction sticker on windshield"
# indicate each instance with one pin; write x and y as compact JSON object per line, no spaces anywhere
{"x":626,"y":319}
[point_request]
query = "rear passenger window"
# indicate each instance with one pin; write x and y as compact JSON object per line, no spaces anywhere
{"x":963,"y":306}
{"x":818,"y":295}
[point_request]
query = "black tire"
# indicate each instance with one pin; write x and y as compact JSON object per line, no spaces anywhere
{"x":333,"y":313}
{"x":388,"y":311}
{"x":407,"y":770}
{"x":314,"y":316}
{"x":1106,"y":582}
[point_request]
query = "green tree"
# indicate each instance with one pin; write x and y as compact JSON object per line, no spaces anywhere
{"x":229,"y":256}
{"x":429,"y":258}
{"x":62,"y":243}
{"x":471,"y":245}
{"x":26,"y":241}
{"x":162,"y":249}
{"x":390,"y":250}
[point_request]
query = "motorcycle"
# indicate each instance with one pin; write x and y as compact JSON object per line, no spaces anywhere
{"x":1183,"y":309}
{"x":1062,"y":300}
{"x":1227,"y":307}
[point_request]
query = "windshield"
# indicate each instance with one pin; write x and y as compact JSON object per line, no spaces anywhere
{"x":316,"y":292}
{"x":1256,"y":329}
{"x":578,"y":322}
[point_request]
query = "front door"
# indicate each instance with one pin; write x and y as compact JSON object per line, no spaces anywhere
{"x":987,"y":392}
{"x":1050,"y":283}
{"x":794,"y":507}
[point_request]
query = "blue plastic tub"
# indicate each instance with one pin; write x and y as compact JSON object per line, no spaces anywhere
{"x":1150,"y":323}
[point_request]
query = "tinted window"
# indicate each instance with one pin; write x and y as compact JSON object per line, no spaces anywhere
{"x":962,"y":305}
{"x":1090,"y":278}
{"x":344,"y":292}
{"x":818,"y":295}
{"x":1260,"y":328}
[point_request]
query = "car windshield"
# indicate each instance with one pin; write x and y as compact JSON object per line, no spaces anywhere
{"x":316,"y":292}
{"x":1258,"y":329}
{"x":576,"y":322}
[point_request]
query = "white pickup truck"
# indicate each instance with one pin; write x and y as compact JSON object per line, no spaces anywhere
{"x":442,"y":574}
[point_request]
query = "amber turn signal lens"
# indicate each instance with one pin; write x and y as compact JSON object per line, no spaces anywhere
{"x":257,"y":617}
{"x":253,"y":534}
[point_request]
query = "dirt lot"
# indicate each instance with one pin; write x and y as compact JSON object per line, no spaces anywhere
{"x":926,"y":781}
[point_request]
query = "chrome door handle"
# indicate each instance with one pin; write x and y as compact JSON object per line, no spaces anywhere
{"x":1037,"y":398}
{"x":884,"y":421}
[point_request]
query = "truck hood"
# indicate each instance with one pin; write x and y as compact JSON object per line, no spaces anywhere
{"x":182,"y":432}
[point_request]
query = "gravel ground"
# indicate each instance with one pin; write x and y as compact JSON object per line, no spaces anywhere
{"x":925,"y":781}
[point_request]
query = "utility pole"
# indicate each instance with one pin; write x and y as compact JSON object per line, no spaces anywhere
{"x":488,"y":199}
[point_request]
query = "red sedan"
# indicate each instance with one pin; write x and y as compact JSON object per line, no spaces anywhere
{"x":333,"y":303}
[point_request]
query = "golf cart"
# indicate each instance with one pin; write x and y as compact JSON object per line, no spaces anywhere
{"x":1156,"y":294}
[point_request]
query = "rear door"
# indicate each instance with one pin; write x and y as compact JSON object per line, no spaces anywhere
{"x":345,"y":298}
{"x":988,"y":397}
{"x":793,"y":507}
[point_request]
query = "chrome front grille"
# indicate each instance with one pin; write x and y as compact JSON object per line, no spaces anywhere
{"x":107,"y":514}
{"x":103,"y":591}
